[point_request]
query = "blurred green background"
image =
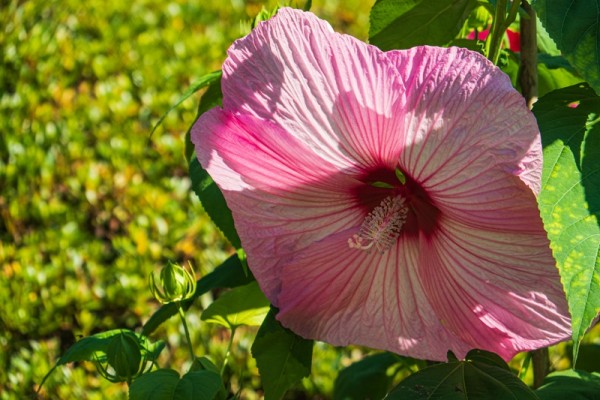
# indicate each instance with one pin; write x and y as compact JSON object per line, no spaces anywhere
{"x":89,"y":206}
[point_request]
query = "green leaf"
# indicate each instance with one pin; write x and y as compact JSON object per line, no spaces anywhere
{"x":205,"y":364}
{"x":213,"y":202}
{"x":479,"y":376}
{"x":588,"y":358}
{"x":92,"y":348}
{"x":401,"y":24}
{"x":575,"y":28}
{"x":555,"y":72}
{"x":156,"y":385}
{"x":227,"y":275}
{"x":198,"y":385}
{"x":165,"y":384}
{"x":570,"y":197}
{"x":200,"y":84}
{"x":87,"y":348}
{"x":571,"y":385}
{"x":213,"y":97}
{"x":365,"y":379}
{"x":544,"y":41}
{"x":551,"y":77}
{"x":245,"y":305}
{"x":283,"y":358}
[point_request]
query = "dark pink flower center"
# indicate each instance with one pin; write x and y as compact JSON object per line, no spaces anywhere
{"x":422,"y":216}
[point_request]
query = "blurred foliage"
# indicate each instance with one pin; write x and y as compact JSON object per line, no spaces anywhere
{"x":89,"y":206}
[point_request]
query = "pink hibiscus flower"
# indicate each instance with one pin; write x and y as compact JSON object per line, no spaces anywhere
{"x":384,"y":199}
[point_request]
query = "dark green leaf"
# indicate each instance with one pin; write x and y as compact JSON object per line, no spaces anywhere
{"x":86,"y":348}
{"x":204,"y":363}
{"x":480,"y":376}
{"x":200,"y":84}
{"x":213,"y":202}
{"x":227,"y":275}
{"x":571,"y":385}
{"x":485,"y":357}
{"x":156,"y":385}
{"x":198,"y":385}
{"x":165,"y":384}
{"x":575,"y":28}
{"x":570,"y":197}
{"x":365,"y":379}
{"x":244,"y":305}
{"x":210,"y":99}
{"x":401,"y":24}
{"x":588,"y":358}
{"x":95,"y":347}
{"x":283,"y":358}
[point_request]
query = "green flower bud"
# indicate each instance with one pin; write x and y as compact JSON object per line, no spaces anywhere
{"x":124,"y":357}
{"x":177,"y":283}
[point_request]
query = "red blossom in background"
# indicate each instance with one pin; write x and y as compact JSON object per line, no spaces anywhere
{"x":386,"y":199}
{"x":514,"y":38}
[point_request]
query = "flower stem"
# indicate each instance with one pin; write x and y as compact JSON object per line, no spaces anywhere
{"x":187,"y":331}
{"x":500,"y":24}
{"x":541,"y":365}
{"x":226,"y":360}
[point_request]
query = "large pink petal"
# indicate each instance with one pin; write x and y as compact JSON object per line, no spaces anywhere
{"x":493,"y":281}
{"x":282,"y":195}
{"x":462,"y":116}
{"x":336,"y":94}
{"x":345,"y":296}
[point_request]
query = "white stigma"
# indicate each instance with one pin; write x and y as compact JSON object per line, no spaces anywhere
{"x":382,"y":226}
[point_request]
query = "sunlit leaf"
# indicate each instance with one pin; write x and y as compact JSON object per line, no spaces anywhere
{"x":575,"y":28}
{"x":570,"y":197}
{"x":244,"y":305}
{"x":401,"y":24}
{"x":551,"y":76}
{"x":479,"y":376}
{"x":283,"y":358}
